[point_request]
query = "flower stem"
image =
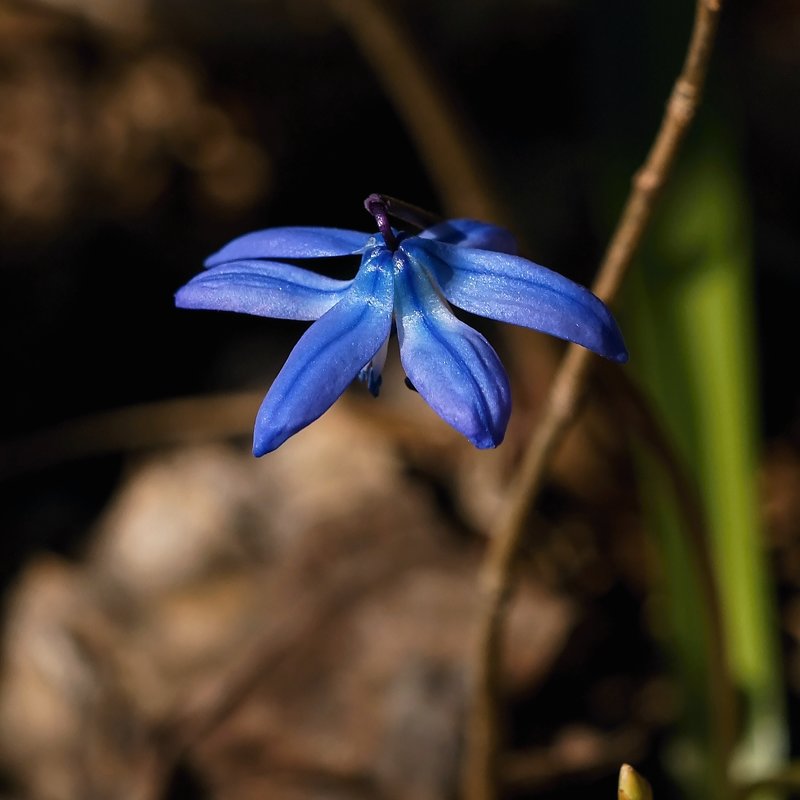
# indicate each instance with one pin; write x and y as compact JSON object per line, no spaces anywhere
{"x":442,"y":137}
{"x":413,"y":215}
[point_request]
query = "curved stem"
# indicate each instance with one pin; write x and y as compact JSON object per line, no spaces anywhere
{"x":413,"y":215}
{"x":443,"y":143}
{"x":483,"y":742}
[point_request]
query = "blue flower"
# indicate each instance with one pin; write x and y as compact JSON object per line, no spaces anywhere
{"x":406,"y":280}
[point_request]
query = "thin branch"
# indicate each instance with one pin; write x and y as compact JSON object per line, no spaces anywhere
{"x":449,"y":155}
{"x":164,"y":422}
{"x":480,"y":778}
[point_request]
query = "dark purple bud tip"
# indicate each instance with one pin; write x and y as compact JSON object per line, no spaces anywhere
{"x":376,"y":206}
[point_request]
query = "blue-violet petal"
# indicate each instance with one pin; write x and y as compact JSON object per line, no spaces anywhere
{"x":291,"y":242}
{"x":451,"y":365}
{"x":328,"y":356}
{"x":263,"y":288}
{"x":372,"y":373}
{"x":513,"y":289}
{"x":471,"y":233}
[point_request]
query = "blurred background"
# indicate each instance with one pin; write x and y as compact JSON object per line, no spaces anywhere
{"x":182,"y":620}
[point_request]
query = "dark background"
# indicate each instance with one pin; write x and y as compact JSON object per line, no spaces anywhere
{"x":137,"y":138}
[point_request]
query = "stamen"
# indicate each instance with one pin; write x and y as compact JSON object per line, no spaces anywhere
{"x":413,"y":215}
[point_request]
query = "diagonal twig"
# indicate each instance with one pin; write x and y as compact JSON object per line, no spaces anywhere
{"x":441,"y":137}
{"x":480,"y":779}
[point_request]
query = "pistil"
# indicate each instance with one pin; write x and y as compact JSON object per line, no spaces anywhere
{"x":376,"y":206}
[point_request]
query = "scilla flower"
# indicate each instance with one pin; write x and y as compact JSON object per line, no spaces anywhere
{"x":405,"y":279}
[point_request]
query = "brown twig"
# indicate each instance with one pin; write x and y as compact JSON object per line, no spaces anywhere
{"x":480,"y":779}
{"x":164,"y":422}
{"x":439,"y":134}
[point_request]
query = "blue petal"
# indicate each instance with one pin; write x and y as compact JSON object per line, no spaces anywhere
{"x":329,"y":355}
{"x":471,"y":233}
{"x":264,"y":288}
{"x":293,"y":242}
{"x":372,"y":373}
{"x":451,"y":365}
{"x":513,"y":289}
